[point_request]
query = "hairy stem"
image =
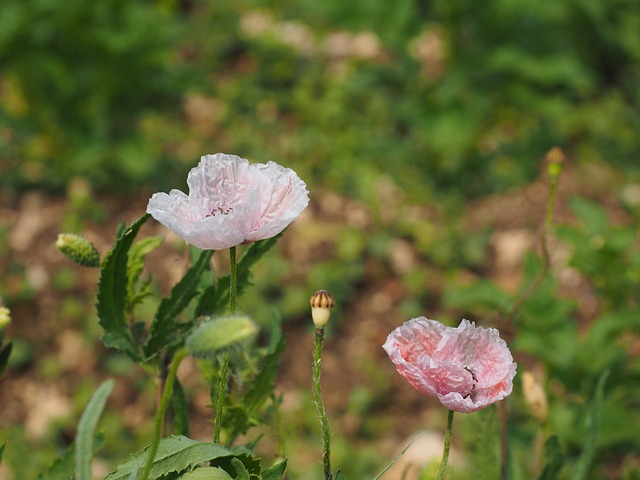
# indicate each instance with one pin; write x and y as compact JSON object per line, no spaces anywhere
{"x":322,"y":414}
{"x":162,"y":410}
{"x":222,"y":389}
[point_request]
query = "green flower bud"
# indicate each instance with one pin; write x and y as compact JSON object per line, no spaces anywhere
{"x":321,"y":304}
{"x":219,"y":333}
{"x":555,"y":159}
{"x":5,"y":317}
{"x":78,"y":249}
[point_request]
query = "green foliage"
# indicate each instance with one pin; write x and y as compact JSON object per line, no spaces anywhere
{"x":138,"y":290}
{"x":101,"y":69}
{"x":554,"y":459}
{"x":582,"y":466}
{"x":86,"y":429}
{"x":165,"y":325}
{"x":112,"y":292}
{"x":175,"y":454}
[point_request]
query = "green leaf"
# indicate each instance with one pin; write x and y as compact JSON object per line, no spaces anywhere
{"x":275,"y":472}
{"x":554,"y":459}
{"x":241,"y":471}
{"x":164,"y":323}
{"x":135,"y":266}
{"x":582,"y":466}
{"x":207,"y":473}
{"x":175,"y":454}
{"x":207,"y":302}
{"x":63,"y":467}
{"x":86,"y":429}
{"x":112,"y":292}
{"x":2,"y":452}
{"x":254,"y":252}
{"x":180,"y":407}
{"x":5,"y":351}
{"x":264,"y":383}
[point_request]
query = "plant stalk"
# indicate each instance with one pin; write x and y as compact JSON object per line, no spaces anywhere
{"x":322,"y":414}
{"x":222,"y":388}
{"x":442,"y":471}
{"x":162,"y":410}
{"x":233,"y":282}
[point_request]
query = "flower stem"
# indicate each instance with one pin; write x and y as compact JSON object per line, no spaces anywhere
{"x":546,"y":259}
{"x":222,"y":389}
{"x":442,"y":471}
{"x":322,"y":414}
{"x":233,"y":283}
{"x":162,"y":409}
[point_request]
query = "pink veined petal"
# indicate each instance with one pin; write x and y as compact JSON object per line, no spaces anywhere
{"x":231,"y":202}
{"x":467,"y":368}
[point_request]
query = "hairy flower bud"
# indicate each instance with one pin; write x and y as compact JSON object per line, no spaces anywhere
{"x":535,"y":397}
{"x":220,"y":333}
{"x":321,"y":304}
{"x":78,"y":249}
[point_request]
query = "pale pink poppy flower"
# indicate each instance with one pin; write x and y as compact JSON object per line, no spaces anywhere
{"x":231,"y":202}
{"x":467,"y":368}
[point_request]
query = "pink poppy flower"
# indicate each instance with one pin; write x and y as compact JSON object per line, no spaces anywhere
{"x":467,"y":368}
{"x":231,"y":202}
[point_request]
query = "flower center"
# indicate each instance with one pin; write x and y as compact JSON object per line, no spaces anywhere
{"x":473,"y":386}
{"x":221,"y":211}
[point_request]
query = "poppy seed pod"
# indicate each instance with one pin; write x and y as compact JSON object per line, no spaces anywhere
{"x":321,"y":304}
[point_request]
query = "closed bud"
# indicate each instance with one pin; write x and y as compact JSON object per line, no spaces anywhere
{"x":219,"y":334}
{"x":321,"y":304}
{"x":78,"y":249}
{"x":555,"y":159}
{"x":535,"y":397}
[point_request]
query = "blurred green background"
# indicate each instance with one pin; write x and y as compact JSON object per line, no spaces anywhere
{"x":420,"y":129}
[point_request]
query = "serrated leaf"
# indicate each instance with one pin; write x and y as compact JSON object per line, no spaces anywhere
{"x":180,"y":407}
{"x":207,"y":302}
{"x":207,"y":473}
{"x":164,"y":323}
{"x":553,"y":459}
{"x":135,"y":266}
{"x":264,"y":383}
{"x":254,"y":252}
{"x":112,"y":292}
{"x":86,"y":429}
{"x":275,"y":472}
{"x":175,"y":454}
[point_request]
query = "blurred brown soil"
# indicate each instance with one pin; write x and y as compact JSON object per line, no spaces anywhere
{"x":58,"y":353}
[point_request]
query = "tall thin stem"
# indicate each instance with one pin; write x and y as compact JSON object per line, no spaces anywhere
{"x":233,"y":283}
{"x":442,"y":471}
{"x":222,"y":390}
{"x":322,"y":414}
{"x":162,"y":409}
